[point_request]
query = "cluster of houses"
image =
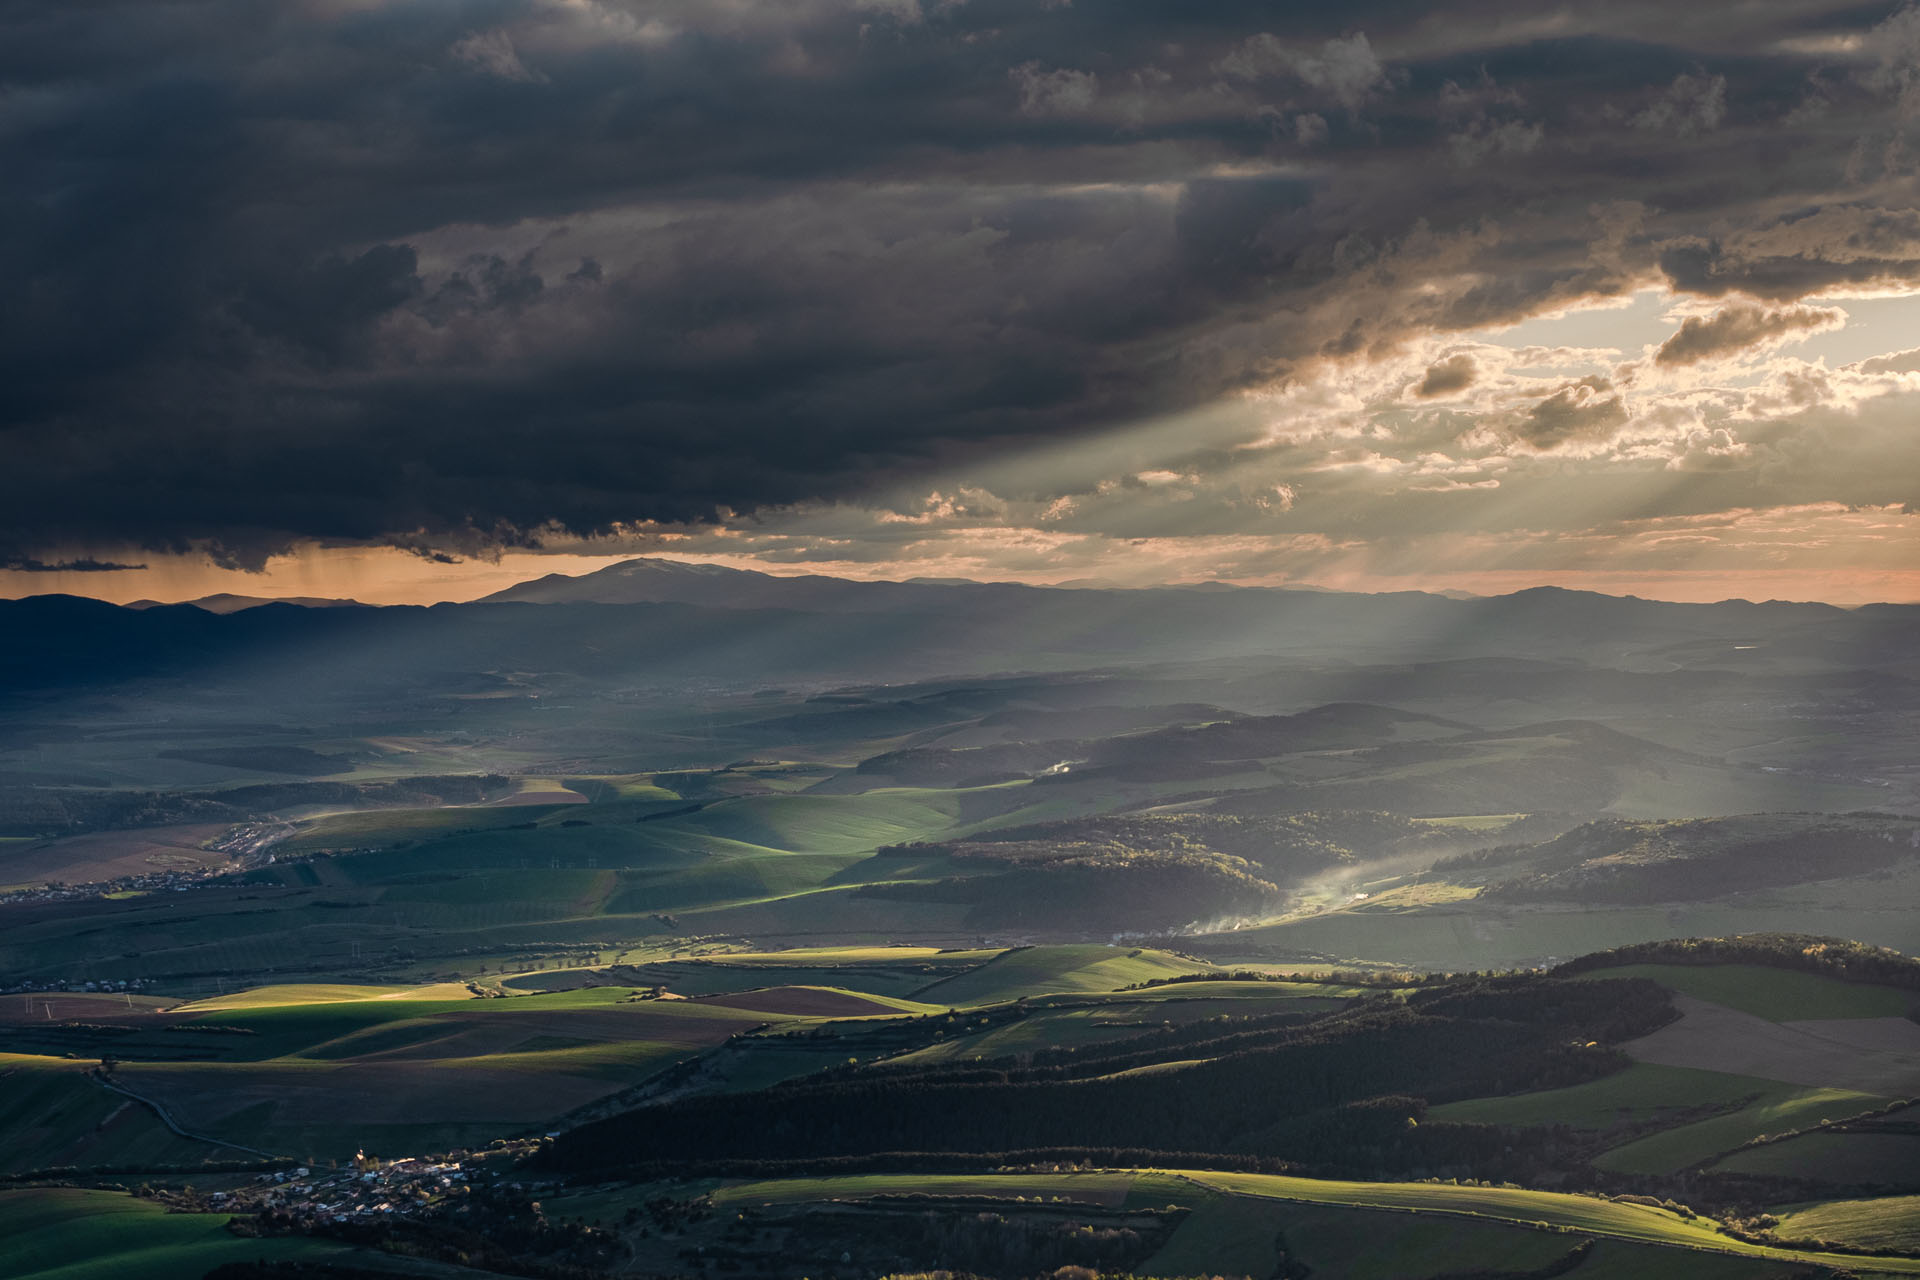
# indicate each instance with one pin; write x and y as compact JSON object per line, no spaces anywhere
{"x":366,"y":1189}
{"x":178,"y":881}
{"x":56,"y":985}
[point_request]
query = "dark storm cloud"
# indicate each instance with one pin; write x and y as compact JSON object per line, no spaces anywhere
{"x":30,"y":564}
{"x":443,"y":275}
{"x":1805,"y":252}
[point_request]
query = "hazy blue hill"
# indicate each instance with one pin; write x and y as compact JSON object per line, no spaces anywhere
{"x":226,"y":602}
{"x":754,"y":626}
{"x":1617,"y":861}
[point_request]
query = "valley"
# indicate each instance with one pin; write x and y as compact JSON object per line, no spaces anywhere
{"x":1319,"y":959}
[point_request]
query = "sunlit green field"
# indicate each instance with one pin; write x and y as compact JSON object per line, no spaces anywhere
{"x":1780,"y":1109}
{"x":1642,"y":1092}
{"x":1375,"y":1231}
{"x":1892,"y":1222}
{"x":1046,"y":970}
{"x":320,"y":1071}
{"x":1566,"y":1212}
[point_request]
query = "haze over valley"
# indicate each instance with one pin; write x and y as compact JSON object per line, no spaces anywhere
{"x":959,"y":640}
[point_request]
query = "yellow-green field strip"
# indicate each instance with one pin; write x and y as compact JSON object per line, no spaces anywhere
{"x":1550,"y":1210}
{"x":1554,"y":1209}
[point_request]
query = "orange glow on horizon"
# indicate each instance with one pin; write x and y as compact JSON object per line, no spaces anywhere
{"x":385,"y":576}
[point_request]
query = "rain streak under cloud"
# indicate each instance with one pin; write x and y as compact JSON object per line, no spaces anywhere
{"x":403,"y":298}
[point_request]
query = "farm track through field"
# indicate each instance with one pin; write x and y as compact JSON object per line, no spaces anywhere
{"x":167,"y":1119}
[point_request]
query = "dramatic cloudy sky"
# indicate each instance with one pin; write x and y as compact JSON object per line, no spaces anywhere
{"x":411,"y":298}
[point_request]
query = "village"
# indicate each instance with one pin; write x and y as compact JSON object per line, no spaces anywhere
{"x":363,"y":1189}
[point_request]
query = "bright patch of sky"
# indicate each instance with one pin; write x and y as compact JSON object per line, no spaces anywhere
{"x":1624,"y":328}
{"x":1876,"y":326}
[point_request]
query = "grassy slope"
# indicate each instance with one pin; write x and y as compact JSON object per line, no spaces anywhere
{"x":1778,"y":995}
{"x":1781,"y":1109}
{"x":423,"y":1073}
{"x":1257,"y":990}
{"x":1427,"y":1220}
{"x":837,"y":957}
{"x":847,"y":1002}
{"x":1892,"y":1222}
{"x":1619,"y":1260}
{"x":68,"y":1234}
{"x":686,"y":979}
{"x":1639,"y":1093}
{"x":1094,"y":1187}
{"x":282,"y":995}
{"x":1630,"y":1222}
{"x":53,"y":1116}
{"x":1119,"y":1016}
{"x":369,"y":828}
{"x":1472,"y":935}
{"x":1645,"y":1092}
{"x":1045,"y":970}
{"x":1843,"y":1159}
{"x":828,"y":824}
{"x":1238,"y":1235}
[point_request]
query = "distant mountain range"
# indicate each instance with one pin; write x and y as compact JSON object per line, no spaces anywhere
{"x":646,"y":621}
{"x":650,"y":581}
{"x":645,"y":580}
{"x":225,"y":602}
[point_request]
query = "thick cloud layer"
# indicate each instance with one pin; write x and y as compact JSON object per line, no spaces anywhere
{"x":469,"y":274}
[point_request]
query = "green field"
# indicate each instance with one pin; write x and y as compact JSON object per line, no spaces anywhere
{"x":1062,"y":1021}
{"x":1369,"y":1231}
{"x":832,"y":824}
{"x":1553,"y":1210}
{"x":1841,"y":1159}
{"x":844,"y":958}
{"x":317,"y":993}
{"x":1053,"y":1029}
{"x":67,"y":1234}
{"x":1243,"y":990}
{"x":1463,"y":936}
{"x":1646,"y":1094}
{"x":703,"y":979}
{"x":1037,"y":971}
{"x":53,"y":1116}
{"x":1778,"y":995}
{"x":1780,"y":1109}
{"x":1239,"y":1235}
{"x":391,"y":1069}
{"x":1619,"y":1260}
{"x":1096,"y":1188}
{"x":1891,"y":1222}
{"x":370,"y":828}
{"x":1641,"y":1093}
